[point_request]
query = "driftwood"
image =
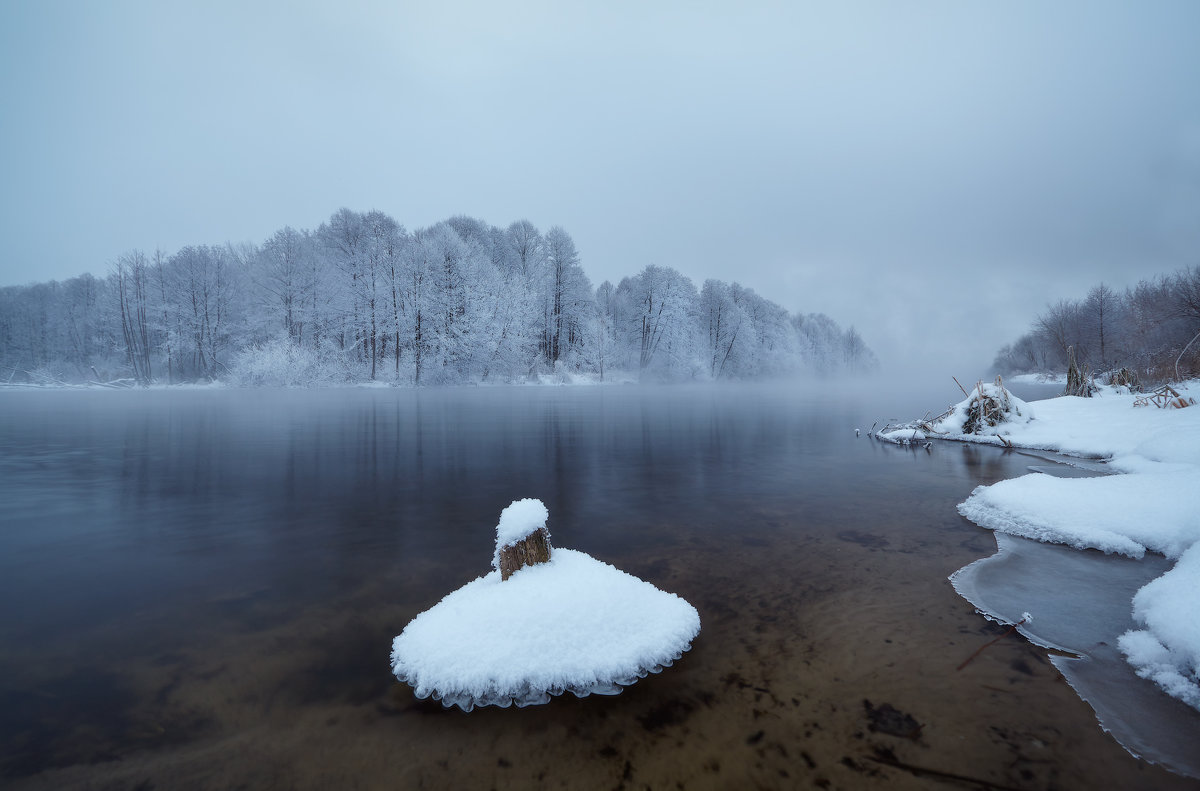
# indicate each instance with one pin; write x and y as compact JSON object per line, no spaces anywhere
{"x":533,"y":548}
{"x":43,"y":378}
{"x":984,"y":410}
{"x":1165,"y":397}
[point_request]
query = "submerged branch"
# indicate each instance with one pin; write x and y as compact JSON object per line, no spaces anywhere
{"x":981,"y":648}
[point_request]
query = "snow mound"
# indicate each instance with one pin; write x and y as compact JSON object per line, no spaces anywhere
{"x":518,"y":520}
{"x":989,"y":410}
{"x":1167,"y":651}
{"x":901,"y":436}
{"x":572,"y":624}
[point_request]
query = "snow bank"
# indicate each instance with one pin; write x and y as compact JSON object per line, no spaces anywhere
{"x":572,"y":624}
{"x":1167,"y":651}
{"x":1123,"y":514}
{"x":1154,"y":506}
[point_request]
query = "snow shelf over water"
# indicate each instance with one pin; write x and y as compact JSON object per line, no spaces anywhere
{"x":573,"y":624}
{"x":1080,"y":604}
{"x":1153,"y":508}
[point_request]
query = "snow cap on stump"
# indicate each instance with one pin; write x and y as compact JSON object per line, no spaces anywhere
{"x":522,"y":523}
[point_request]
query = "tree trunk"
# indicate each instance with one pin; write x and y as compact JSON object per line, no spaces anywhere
{"x":533,"y":548}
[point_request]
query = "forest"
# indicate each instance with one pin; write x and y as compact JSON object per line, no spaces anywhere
{"x":1145,"y":329}
{"x":362,"y":299}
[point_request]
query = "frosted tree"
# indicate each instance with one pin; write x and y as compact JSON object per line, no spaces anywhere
{"x":521,"y":259}
{"x":284,"y":279}
{"x":569,"y":298}
{"x":857,"y":356}
{"x":1099,"y":319}
{"x":721,"y":322}
{"x":456,"y":272}
{"x":602,"y":349}
{"x":204,"y":287}
{"x":166,"y":319}
{"x":379,"y":286}
{"x":659,"y":304}
{"x":360,"y":298}
{"x":1061,"y":326}
{"x":820,"y":342}
{"x":342,"y":238}
{"x":130,"y":273}
{"x":422,"y":257}
{"x":81,"y":299}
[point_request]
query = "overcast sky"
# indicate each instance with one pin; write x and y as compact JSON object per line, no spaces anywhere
{"x":932,"y":173}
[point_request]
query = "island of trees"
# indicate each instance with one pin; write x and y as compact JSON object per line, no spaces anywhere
{"x":363,"y":299}
{"x":1145,"y":329}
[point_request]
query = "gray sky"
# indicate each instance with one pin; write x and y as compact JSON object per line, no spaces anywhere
{"x":932,"y":173}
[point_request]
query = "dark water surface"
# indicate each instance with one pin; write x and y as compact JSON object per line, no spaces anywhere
{"x":200,"y":589}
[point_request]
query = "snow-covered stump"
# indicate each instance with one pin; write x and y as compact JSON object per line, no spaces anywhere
{"x":521,"y":537}
{"x":552,"y":624}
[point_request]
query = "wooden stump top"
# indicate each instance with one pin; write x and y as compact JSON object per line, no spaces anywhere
{"x":533,"y":548}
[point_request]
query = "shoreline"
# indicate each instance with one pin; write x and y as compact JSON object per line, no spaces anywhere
{"x":1150,"y":725}
{"x":1089,"y":623}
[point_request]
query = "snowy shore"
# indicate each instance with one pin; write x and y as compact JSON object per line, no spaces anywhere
{"x":1154,"y":505}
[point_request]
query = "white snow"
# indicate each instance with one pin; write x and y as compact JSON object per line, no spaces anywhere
{"x":902,"y":436}
{"x":1038,"y":379}
{"x":1167,"y":651}
{"x":1154,"y":506}
{"x":572,"y":624}
{"x":1125,"y":514}
{"x":517,"y":521}
{"x":1018,"y":413}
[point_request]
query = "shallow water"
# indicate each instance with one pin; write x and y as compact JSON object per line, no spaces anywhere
{"x":201,"y":589}
{"x":1081,"y":602}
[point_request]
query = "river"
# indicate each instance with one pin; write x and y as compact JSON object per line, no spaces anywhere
{"x":201,"y":586}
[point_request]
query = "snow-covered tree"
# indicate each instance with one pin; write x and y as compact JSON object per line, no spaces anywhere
{"x":360,"y":298}
{"x":658,"y":305}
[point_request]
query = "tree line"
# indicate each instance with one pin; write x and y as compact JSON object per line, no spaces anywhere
{"x":1145,"y":329}
{"x":361,"y":298}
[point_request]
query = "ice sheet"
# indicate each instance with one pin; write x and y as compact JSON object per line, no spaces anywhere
{"x":1080,"y":603}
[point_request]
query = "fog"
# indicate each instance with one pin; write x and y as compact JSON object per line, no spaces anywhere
{"x":931,"y":175}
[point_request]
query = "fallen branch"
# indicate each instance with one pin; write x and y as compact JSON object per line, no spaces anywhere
{"x":1024,"y":619}
{"x":924,"y":770}
{"x":1165,"y":397}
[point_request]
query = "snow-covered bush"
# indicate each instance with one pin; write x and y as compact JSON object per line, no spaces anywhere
{"x":987,"y":408}
{"x":280,"y":362}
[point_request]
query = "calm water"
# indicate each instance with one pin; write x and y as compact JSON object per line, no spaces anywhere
{"x":200,"y":589}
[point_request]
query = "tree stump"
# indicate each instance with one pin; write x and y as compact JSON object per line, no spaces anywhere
{"x":533,"y":548}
